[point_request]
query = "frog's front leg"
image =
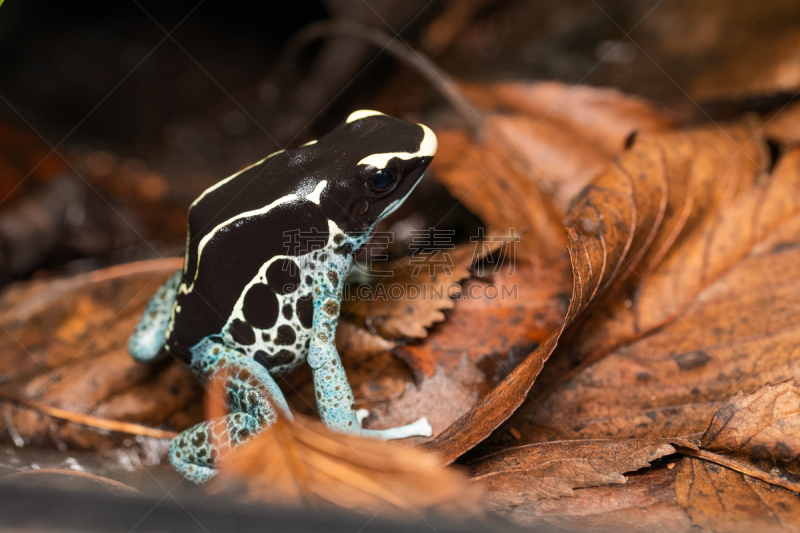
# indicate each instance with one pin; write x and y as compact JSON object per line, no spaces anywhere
{"x":334,"y":395}
{"x":195,"y":452}
{"x":146,"y":342}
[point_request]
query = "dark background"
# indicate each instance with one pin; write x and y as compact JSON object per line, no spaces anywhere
{"x":143,"y":120}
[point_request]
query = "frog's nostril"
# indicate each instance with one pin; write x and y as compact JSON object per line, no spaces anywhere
{"x":361,"y":207}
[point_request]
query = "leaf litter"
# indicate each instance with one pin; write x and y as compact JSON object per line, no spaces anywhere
{"x":669,"y":287}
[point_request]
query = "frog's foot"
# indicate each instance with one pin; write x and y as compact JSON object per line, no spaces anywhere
{"x":361,"y":415}
{"x":194,"y":452}
{"x":420,"y":428}
{"x":251,"y":393}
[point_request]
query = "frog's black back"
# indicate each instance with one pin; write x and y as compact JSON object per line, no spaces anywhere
{"x":233,"y":231}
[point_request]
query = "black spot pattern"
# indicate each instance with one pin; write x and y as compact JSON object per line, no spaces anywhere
{"x":283,"y":276}
{"x":331,"y":308}
{"x":287,"y":312}
{"x":242,"y":333}
{"x":283,"y":357}
{"x":305,"y":310}
{"x":286,"y":336}
{"x":260,"y":306}
{"x":344,"y":249}
{"x":229,"y":259}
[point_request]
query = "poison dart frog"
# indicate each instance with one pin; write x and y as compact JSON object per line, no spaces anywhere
{"x":267,"y":252}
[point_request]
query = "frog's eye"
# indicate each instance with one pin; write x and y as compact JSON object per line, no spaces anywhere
{"x":383,"y":180}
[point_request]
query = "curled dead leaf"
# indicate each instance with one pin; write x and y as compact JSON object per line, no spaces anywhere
{"x":554,"y":469}
{"x":304,"y":463}
{"x":764,"y":424}
{"x":689,"y":327}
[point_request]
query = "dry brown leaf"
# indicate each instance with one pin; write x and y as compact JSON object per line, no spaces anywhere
{"x":603,"y":118}
{"x":495,"y":332}
{"x":554,"y":469}
{"x":519,"y":479}
{"x":442,"y":398}
{"x":495,"y":184}
{"x":448,"y":382}
{"x":409,"y":314}
{"x":690,"y":326}
{"x":611,"y":226}
{"x":483,"y":339}
{"x":646,"y":503}
{"x":64,"y":344}
{"x":565,"y":134}
{"x":710,"y":203}
{"x":722,"y":500}
{"x":754,"y":434}
{"x":304,"y":463}
{"x":502,"y":185}
{"x":764,"y":424}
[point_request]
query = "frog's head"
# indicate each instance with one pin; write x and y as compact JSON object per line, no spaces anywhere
{"x":380,"y":159}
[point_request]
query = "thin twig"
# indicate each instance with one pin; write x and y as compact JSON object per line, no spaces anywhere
{"x":740,"y":467}
{"x":88,"y":420}
{"x":416,"y":60}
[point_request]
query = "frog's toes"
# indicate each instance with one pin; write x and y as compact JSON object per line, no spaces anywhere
{"x":191,"y":458}
{"x":421,"y":428}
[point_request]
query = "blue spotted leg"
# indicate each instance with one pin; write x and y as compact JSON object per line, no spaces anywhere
{"x":195,"y":452}
{"x":147,"y":341}
{"x":334,"y":395}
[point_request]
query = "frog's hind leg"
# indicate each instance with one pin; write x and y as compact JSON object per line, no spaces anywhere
{"x":251,"y":393}
{"x":195,"y":452}
{"x":147,"y":341}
